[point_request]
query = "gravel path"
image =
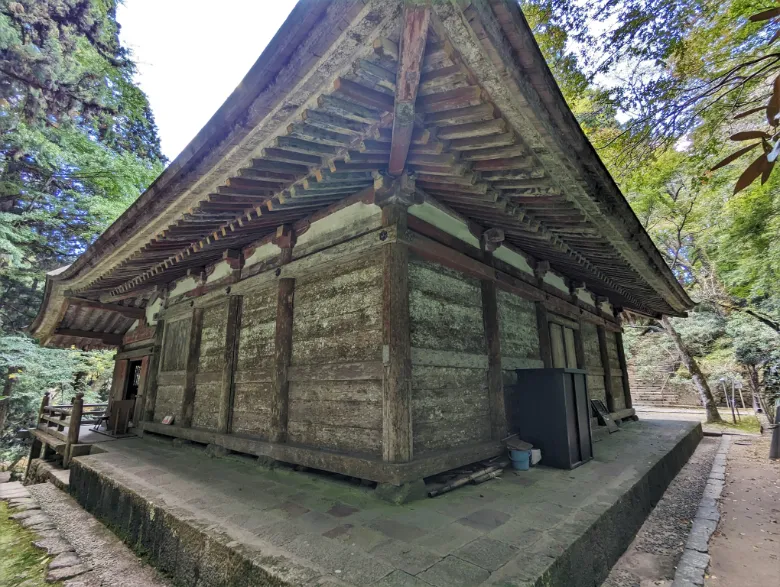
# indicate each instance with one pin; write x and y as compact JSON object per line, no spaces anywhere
{"x":112,"y":562}
{"x":652,"y":556}
{"x":745,"y":550}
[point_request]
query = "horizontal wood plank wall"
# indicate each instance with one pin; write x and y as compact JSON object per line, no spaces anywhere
{"x":208,"y":381}
{"x":590,"y":344}
{"x":519,"y":335}
{"x":255,"y":362}
{"x":173,"y":364}
{"x":335,"y":391}
{"x":616,"y":371}
{"x":450,"y":403}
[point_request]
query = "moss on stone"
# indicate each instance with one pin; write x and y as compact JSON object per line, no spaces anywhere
{"x":21,"y":562}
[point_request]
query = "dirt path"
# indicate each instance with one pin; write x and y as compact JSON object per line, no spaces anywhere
{"x":745,"y":549}
{"x":652,"y":556}
{"x":112,"y":562}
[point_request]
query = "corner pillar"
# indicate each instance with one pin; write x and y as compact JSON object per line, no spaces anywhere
{"x":394,"y":197}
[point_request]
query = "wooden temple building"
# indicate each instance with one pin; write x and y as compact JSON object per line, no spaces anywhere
{"x":394,"y":211}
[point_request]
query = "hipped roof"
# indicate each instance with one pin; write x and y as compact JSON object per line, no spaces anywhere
{"x":312,"y":123}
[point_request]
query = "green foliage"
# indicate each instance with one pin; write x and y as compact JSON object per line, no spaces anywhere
{"x":78,"y":144}
{"x":656,"y":85}
{"x":78,"y":140}
{"x":61,"y":372}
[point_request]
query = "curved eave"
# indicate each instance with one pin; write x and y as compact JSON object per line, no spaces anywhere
{"x":494,"y":42}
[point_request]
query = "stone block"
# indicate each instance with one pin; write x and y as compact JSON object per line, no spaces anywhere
{"x":487,"y":553}
{"x":216,"y":451}
{"x":691,"y":568}
{"x":454,"y":572}
{"x":699,"y":536}
{"x":400,"y":494}
{"x":65,"y":573}
{"x":65,"y":559}
{"x":485,"y":520}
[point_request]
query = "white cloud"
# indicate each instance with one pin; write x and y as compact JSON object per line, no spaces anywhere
{"x":191,"y":55}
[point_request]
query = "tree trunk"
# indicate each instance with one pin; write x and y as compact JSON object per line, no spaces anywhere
{"x":763,"y":398}
{"x":8,"y":389}
{"x":703,"y":389}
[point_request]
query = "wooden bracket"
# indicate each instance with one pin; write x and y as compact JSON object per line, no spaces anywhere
{"x":284,"y":237}
{"x":398,"y":191}
{"x":492,"y":239}
{"x":541,"y":269}
{"x":234,"y":258}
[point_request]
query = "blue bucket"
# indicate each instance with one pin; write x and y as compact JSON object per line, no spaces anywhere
{"x":521,"y":459}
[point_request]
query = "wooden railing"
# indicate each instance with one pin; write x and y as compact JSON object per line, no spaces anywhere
{"x":64,"y":422}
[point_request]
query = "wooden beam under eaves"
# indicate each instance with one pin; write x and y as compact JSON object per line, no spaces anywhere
{"x":411,"y":50}
{"x":134,"y":313}
{"x":108,"y":338}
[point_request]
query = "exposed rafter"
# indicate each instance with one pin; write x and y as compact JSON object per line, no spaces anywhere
{"x":412,"y":48}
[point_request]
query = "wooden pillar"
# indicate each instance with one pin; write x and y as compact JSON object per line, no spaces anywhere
{"x":495,"y":378}
{"x":624,"y":369}
{"x":150,"y":393}
{"x":602,"y":333}
{"x":542,"y":325}
{"x":193,"y":354}
{"x":490,"y":240}
{"x":140,"y":398}
{"x":74,"y":427}
{"x":395,"y":197}
{"x":119,"y":379}
{"x":280,"y":400}
{"x":232,"y":329}
{"x":285,"y":301}
{"x":579,"y":347}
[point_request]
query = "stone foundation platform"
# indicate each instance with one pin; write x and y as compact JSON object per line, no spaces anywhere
{"x":228,"y":521}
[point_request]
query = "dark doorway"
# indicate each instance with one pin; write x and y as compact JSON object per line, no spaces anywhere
{"x":133,"y":380}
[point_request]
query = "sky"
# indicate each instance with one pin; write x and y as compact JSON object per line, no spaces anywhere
{"x":191,"y":54}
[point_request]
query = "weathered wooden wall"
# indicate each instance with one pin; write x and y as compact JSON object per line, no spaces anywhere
{"x":617,"y":374}
{"x":519,"y":335}
{"x":450,"y":404}
{"x":208,"y":380}
{"x":254,"y":367}
{"x":171,"y":378}
{"x":335,"y":396}
{"x":590,"y":343}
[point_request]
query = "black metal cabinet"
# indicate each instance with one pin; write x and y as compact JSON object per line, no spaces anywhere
{"x":550,"y":409}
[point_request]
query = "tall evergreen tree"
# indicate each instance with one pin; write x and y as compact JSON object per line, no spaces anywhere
{"x":78,"y":143}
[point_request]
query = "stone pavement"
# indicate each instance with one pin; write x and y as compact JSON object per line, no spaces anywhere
{"x":541,"y":526}
{"x":66,"y":564}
